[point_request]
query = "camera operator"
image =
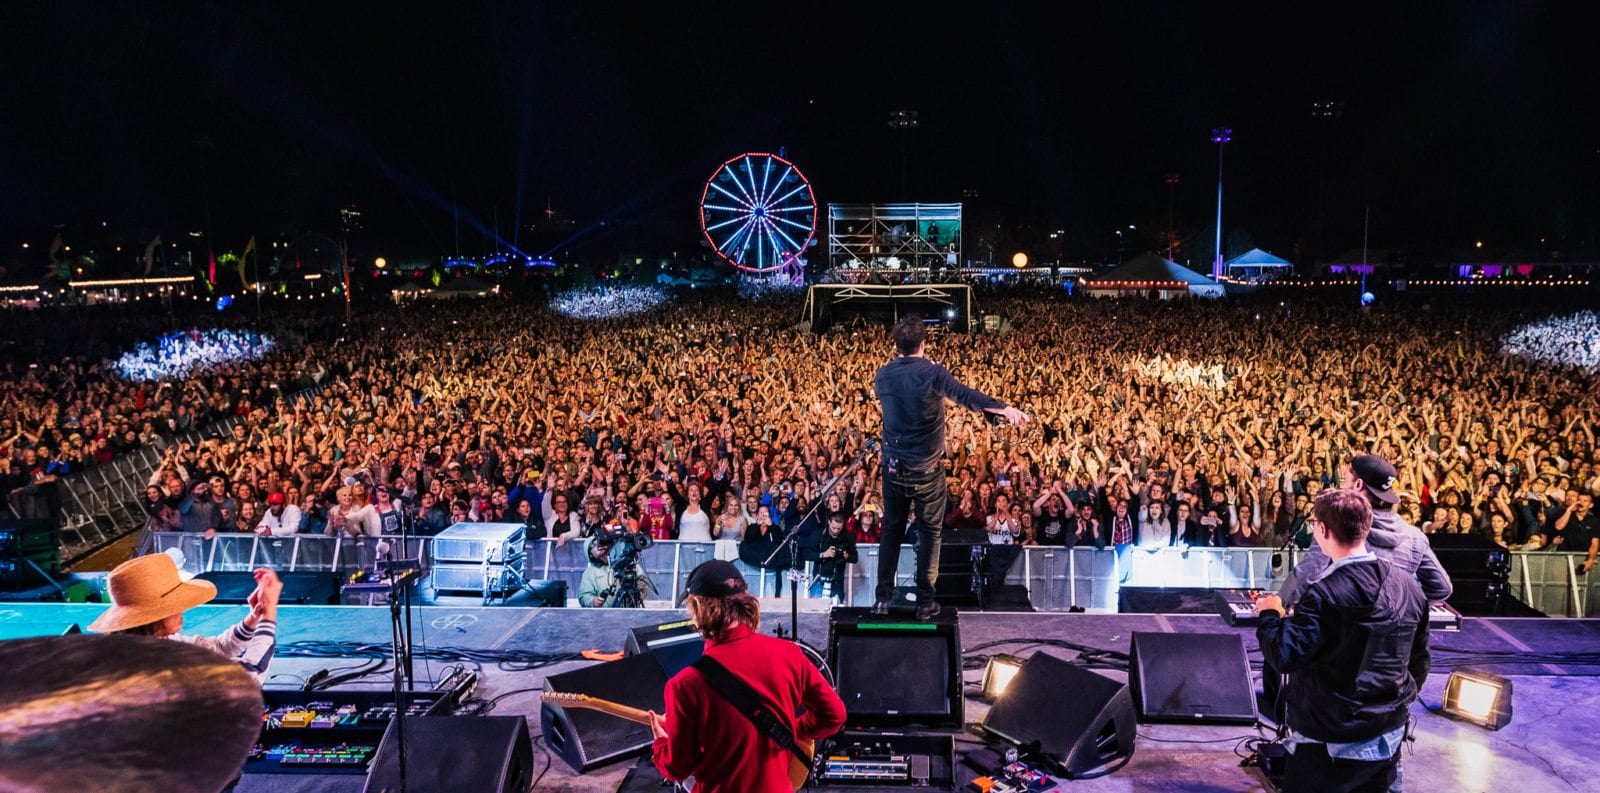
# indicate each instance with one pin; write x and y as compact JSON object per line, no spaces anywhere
{"x":598,"y":584}
{"x":615,"y":578}
{"x":836,"y":551}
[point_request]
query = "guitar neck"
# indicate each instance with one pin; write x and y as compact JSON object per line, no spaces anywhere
{"x":612,"y":708}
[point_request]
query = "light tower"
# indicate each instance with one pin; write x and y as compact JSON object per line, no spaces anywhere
{"x":1172,"y":184}
{"x":1219,"y":136}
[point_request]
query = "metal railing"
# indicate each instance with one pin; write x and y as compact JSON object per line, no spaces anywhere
{"x":105,"y":501}
{"x":1056,"y":579}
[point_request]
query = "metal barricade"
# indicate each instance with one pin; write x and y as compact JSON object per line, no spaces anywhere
{"x":1057,"y":579}
{"x":104,"y":501}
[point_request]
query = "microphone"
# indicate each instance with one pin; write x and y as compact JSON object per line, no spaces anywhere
{"x":315,"y":678}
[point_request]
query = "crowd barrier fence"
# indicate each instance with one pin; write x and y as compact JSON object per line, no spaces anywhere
{"x":105,"y":501}
{"x":1056,"y":579}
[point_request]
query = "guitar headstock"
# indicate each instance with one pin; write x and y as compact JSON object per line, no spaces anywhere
{"x":559,"y":698}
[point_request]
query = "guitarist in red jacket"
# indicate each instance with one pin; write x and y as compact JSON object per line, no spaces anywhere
{"x":702,"y":733}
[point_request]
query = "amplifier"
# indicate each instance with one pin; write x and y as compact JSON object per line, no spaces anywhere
{"x":475,"y":542}
{"x":470,"y":577}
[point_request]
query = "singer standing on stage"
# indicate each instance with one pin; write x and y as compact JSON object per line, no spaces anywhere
{"x":912,"y":390}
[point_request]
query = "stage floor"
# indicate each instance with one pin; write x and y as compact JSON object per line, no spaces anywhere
{"x":1540,"y":750}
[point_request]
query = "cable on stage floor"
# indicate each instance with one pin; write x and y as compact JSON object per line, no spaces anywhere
{"x":1089,"y":657}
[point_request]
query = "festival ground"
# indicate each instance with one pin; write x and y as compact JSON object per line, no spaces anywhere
{"x":1539,"y":751}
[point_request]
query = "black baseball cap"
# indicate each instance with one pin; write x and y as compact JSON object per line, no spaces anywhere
{"x":716,"y":579}
{"x":1378,"y":475}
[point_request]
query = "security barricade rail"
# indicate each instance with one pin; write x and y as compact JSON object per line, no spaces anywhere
{"x":105,"y":501}
{"x":1056,"y":579}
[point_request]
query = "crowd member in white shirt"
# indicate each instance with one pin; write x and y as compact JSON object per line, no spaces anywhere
{"x":281,"y":519}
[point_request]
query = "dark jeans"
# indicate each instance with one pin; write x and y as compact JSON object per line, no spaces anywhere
{"x":1311,"y":770}
{"x":906,"y":493}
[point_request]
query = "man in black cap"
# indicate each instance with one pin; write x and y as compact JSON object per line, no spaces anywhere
{"x":1356,"y":651}
{"x":1392,"y":539}
{"x":702,"y":733}
{"x":912,"y":391}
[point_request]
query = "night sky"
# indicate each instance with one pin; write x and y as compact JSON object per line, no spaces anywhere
{"x":1460,"y":122}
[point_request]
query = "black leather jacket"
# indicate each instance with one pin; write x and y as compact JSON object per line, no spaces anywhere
{"x":912,"y":391}
{"x":1355,"y":650}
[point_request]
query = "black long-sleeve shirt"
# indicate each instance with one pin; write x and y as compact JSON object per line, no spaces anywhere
{"x":912,"y":392}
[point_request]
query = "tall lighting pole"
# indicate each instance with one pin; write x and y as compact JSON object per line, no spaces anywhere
{"x":903,"y":121}
{"x":1219,"y":136}
{"x":1172,"y":184}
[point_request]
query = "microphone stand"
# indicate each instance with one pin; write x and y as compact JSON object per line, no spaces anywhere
{"x":401,"y":575}
{"x":791,"y":540}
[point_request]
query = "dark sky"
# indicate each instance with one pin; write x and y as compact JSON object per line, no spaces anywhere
{"x":1460,"y":121}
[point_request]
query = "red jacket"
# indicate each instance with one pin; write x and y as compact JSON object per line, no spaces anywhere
{"x":717,"y":744}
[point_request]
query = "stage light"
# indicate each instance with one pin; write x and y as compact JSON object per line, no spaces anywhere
{"x":1478,"y":697}
{"x":1019,"y":260}
{"x":997,"y":675}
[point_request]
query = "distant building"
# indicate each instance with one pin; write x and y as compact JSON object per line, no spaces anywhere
{"x":1475,"y":262}
{"x":350,"y":220}
{"x":1354,"y":262}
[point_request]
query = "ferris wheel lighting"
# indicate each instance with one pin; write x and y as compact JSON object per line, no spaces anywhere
{"x":753,"y":232}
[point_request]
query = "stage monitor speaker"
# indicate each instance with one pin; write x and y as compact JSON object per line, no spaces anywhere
{"x":445,"y":754}
{"x":895,"y":671}
{"x":584,"y":738}
{"x":1082,"y":723}
{"x":1191,"y":677}
{"x":677,"y":644}
{"x":299,"y":589}
{"x":1166,"y":600}
{"x":30,"y":550}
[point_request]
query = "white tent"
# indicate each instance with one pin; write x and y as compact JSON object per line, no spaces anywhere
{"x":1258,"y":264}
{"x":1149,"y":273}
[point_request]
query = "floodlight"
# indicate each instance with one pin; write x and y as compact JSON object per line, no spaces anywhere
{"x":997,"y":675}
{"x":1478,"y":697}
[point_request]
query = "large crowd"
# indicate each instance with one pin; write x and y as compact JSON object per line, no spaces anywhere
{"x":1183,"y":423}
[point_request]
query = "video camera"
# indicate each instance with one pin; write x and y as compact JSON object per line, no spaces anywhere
{"x":622,"y":553}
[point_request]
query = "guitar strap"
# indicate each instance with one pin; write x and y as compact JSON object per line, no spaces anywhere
{"x":744,"y":699}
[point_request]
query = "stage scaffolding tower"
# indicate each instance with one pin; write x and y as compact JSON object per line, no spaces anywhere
{"x":893,"y":243}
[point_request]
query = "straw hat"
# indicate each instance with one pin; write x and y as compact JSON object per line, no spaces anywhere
{"x":148,"y":589}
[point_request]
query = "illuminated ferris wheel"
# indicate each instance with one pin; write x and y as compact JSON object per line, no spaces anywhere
{"x":758,"y":212}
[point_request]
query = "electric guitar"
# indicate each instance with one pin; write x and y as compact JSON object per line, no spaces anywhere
{"x":799,"y":770}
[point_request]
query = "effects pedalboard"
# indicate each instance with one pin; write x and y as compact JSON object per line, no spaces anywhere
{"x":330,"y":731}
{"x":874,"y":763}
{"x":1015,"y":778}
{"x":886,"y":759}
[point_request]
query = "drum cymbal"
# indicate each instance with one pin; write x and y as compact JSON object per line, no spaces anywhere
{"x":125,"y":713}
